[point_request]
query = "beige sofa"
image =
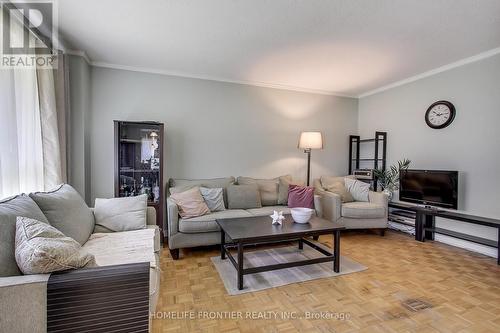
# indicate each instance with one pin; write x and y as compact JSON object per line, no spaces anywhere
{"x":372,"y":214}
{"x":119,"y":293}
{"x":204,"y":230}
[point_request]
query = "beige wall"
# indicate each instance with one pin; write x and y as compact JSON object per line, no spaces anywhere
{"x":216,"y":129}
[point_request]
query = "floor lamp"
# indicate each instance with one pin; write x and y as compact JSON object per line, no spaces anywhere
{"x":309,"y":141}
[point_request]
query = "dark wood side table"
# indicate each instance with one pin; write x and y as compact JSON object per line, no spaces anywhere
{"x":259,"y":230}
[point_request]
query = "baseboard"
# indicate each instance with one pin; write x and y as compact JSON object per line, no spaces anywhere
{"x":483,"y":249}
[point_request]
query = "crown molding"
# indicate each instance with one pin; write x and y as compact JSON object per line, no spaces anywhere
{"x":80,"y":53}
{"x":432,"y":72}
{"x":417,"y":77}
{"x":218,"y":79}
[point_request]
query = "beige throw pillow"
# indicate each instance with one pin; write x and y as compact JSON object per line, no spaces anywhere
{"x":190,"y":203}
{"x":243,"y":196}
{"x":327,"y":181}
{"x":340,"y":189}
{"x":268,"y":189}
{"x":284,"y":182}
{"x":42,"y":249}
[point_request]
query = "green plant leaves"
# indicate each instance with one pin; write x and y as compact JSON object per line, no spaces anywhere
{"x":389,"y":179}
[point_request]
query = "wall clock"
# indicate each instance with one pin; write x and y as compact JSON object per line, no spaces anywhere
{"x":440,"y":114}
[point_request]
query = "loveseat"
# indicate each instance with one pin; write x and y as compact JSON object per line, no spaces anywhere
{"x":203,"y":230}
{"x":371,"y":213}
{"x":117,"y":295}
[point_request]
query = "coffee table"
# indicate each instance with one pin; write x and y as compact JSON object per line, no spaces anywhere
{"x":259,"y":230}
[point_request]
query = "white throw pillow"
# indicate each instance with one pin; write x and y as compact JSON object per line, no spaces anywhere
{"x":121,"y":214}
{"x":214,"y":198}
{"x":42,"y":249}
{"x":358,"y":189}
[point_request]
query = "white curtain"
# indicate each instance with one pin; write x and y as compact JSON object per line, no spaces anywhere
{"x":30,"y":150}
{"x":52,"y":171}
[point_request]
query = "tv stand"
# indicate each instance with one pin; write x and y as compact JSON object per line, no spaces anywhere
{"x":425,"y":224}
{"x":431,"y":208}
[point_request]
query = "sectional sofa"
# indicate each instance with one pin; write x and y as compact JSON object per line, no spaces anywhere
{"x":117,"y":295}
{"x":203,"y":230}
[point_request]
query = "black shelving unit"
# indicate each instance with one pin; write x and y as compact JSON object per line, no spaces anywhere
{"x":379,"y":155}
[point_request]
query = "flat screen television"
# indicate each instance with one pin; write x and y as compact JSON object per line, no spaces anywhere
{"x":429,"y":187}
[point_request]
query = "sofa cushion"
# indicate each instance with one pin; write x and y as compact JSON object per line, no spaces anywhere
{"x":206,"y":223}
{"x":129,"y":247}
{"x":66,"y":211}
{"x":284,"y":183}
{"x":121,"y":214}
{"x":243,"y":196}
{"x":268,"y":188}
{"x":124,"y":247}
{"x":186,"y":184}
{"x":10,"y":209}
{"x":42,"y":249}
{"x":268,"y":210}
{"x":362,"y":210}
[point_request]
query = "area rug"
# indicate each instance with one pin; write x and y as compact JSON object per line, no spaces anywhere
{"x":281,"y":277}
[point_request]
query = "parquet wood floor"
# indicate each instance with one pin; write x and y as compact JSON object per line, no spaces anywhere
{"x":462,"y":287}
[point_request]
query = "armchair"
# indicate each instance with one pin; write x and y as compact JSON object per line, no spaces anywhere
{"x":353,"y":215}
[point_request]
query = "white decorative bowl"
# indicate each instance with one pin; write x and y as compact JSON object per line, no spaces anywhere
{"x":301,"y":215}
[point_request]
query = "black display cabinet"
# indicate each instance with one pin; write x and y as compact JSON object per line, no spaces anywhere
{"x":139,"y":163}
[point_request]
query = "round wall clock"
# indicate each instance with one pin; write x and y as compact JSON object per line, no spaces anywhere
{"x":440,"y":114}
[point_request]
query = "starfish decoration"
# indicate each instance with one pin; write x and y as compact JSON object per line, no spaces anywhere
{"x":277,"y":217}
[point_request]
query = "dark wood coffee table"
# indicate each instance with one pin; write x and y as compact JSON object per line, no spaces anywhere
{"x":259,"y":230}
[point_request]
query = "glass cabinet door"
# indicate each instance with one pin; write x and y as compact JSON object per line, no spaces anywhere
{"x":139,"y":160}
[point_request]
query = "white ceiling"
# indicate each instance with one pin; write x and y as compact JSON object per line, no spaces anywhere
{"x":345,"y":47}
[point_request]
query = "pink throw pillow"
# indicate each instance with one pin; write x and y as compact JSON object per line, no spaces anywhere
{"x":300,"y":196}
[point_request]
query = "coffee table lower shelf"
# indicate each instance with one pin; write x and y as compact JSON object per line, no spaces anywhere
{"x":238,"y":263}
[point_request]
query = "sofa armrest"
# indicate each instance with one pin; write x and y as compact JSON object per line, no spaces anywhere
{"x":151,"y":216}
{"x":21,"y":298}
{"x":379,"y":198}
{"x":172,"y":217}
{"x":106,"y":298}
{"x":318,"y":207}
{"x":331,"y":205}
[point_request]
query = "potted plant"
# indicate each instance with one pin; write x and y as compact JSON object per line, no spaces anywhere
{"x":389,"y":179}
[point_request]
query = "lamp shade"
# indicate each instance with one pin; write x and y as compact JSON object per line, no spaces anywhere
{"x":311,"y":140}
